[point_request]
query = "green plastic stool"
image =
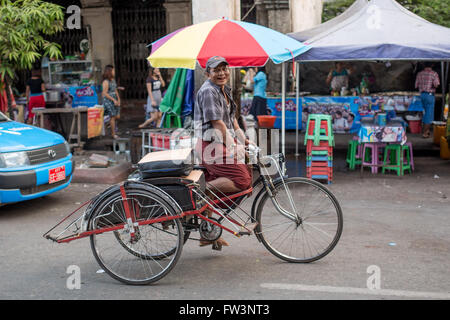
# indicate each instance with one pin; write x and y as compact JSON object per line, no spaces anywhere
{"x":172,"y":121}
{"x":351,"y":155}
{"x":319,"y":153}
{"x":394,"y":162}
{"x":319,"y":134}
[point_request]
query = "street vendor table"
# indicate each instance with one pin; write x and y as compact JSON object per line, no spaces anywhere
{"x":360,"y":107}
{"x":389,"y":133}
{"x":75,"y":128}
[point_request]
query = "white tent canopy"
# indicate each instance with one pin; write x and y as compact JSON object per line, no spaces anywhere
{"x":310,"y":33}
{"x":379,"y":30}
{"x":376,"y":30}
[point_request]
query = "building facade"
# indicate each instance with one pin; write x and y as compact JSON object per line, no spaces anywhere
{"x":119,"y":31}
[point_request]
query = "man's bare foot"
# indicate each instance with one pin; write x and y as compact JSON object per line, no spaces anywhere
{"x":218,"y":243}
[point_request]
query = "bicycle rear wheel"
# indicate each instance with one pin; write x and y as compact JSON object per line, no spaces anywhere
{"x":154,"y":250}
{"x":303,"y":230}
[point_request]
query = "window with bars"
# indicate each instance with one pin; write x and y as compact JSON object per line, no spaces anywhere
{"x":248,"y":11}
{"x":135,"y":25}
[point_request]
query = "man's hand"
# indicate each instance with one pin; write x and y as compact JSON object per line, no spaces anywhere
{"x":237,"y":151}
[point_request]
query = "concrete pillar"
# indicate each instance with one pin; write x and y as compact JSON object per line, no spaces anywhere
{"x":205,"y":10}
{"x":305,"y":14}
{"x":97,"y":15}
{"x":178,"y":14}
{"x":274,"y":14}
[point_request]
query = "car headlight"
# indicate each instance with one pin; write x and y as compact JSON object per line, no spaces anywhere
{"x":67,"y":147}
{"x":14,"y":159}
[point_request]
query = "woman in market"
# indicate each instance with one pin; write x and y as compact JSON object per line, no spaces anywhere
{"x":111,"y":98}
{"x":259,"y":103}
{"x":249,"y":79}
{"x":155,"y":83}
{"x":338,"y":77}
{"x":35,"y":89}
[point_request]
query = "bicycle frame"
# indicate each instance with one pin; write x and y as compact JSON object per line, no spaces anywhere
{"x":132,"y":223}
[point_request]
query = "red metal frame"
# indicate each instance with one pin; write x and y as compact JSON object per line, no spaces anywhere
{"x":128,"y":214}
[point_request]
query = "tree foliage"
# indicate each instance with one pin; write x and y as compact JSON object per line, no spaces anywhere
{"x":24,"y":26}
{"x":436,"y":11}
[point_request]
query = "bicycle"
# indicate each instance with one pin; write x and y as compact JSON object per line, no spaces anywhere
{"x":137,"y":229}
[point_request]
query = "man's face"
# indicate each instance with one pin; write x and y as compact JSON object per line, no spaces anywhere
{"x":220,"y":74}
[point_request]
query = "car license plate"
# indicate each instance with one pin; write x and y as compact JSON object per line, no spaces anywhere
{"x":56,"y":174}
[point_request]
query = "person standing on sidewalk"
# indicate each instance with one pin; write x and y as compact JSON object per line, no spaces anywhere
{"x":154,"y":83}
{"x":35,"y":94}
{"x":427,"y":81}
{"x":259,"y":103}
{"x":111,"y":98}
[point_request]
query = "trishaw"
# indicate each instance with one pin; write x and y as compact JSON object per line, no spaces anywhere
{"x":137,"y":228}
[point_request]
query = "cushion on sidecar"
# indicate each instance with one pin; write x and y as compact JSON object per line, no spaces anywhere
{"x":178,"y":189}
{"x":196,"y":176}
{"x":169,"y":163}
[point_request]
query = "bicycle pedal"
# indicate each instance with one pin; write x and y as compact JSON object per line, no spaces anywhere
{"x":248,"y":229}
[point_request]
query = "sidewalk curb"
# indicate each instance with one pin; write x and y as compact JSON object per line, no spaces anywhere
{"x":110,"y":175}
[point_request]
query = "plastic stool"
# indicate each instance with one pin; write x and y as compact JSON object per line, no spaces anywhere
{"x":316,"y":135}
{"x":352,"y":159}
{"x":411,"y":156}
{"x":374,"y":162}
{"x":395,"y":163}
{"x":122,"y":145}
{"x":169,"y":118}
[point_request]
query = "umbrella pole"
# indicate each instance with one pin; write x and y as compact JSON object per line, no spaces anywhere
{"x":283,"y":108}
{"x":297,"y":94}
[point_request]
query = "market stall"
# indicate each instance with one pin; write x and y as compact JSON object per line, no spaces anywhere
{"x":382,"y":30}
{"x":71,"y":89}
{"x":72,"y":82}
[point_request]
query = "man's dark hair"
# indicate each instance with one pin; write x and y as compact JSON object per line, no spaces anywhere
{"x":36,"y":72}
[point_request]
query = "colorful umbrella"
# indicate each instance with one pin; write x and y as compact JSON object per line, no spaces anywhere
{"x":242,"y":44}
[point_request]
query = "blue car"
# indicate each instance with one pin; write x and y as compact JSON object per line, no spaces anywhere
{"x":33,"y":162}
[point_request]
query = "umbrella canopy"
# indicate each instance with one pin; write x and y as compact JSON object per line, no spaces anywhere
{"x":242,"y":44}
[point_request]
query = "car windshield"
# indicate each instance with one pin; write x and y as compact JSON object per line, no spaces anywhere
{"x":3,"y":118}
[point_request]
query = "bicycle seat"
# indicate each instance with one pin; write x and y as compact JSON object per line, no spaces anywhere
{"x":168,"y":163}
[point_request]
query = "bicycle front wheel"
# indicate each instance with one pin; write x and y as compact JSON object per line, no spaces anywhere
{"x":302,"y":222}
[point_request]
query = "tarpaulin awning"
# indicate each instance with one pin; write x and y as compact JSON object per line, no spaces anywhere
{"x":380,"y":30}
{"x":309,"y":33}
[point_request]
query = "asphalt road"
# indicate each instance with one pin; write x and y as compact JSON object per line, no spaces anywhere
{"x":399,"y":225}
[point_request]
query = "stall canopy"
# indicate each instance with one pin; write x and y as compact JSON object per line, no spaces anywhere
{"x":308,"y":34}
{"x":379,"y":30}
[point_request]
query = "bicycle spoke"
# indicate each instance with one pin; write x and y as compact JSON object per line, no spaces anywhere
{"x":316,"y":232}
{"x":150,"y":253}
